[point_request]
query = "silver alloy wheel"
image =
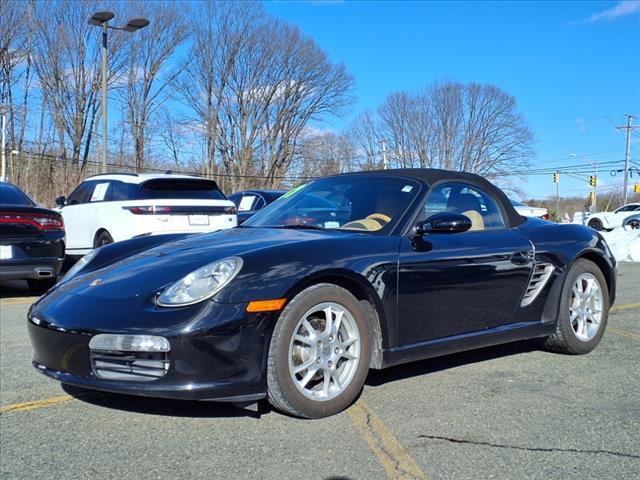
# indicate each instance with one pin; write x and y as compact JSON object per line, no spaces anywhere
{"x":324,"y":351}
{"x":585,"y":311}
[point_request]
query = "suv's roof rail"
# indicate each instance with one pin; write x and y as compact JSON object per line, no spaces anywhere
{"x":116,"y":173}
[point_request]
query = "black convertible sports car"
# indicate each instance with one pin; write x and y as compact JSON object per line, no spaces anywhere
{"x":406,"y":265}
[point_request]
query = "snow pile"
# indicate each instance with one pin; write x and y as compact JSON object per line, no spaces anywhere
{"x":624,"y":243}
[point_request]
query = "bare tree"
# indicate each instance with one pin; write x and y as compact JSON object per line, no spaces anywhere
{"x":326,"y":153}
{"x":473,"y":127}
{"x":66,"y":59}
{"x":148,"y":76}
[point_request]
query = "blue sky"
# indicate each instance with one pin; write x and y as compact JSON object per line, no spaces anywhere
{"x":574,"y":67}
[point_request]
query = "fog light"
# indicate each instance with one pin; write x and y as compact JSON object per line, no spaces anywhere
{"x":130,"y":343}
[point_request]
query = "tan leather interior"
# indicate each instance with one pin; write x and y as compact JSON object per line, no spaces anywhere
{"x":367,"y":224}
{"x":477,"y":223}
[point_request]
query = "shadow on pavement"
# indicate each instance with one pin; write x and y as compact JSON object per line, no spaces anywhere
{"x":163,"y":406}
{"x":423,"y":367}
{"x":15,"y":289}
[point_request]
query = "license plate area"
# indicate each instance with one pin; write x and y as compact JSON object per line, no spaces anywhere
{"x":198,"y":220}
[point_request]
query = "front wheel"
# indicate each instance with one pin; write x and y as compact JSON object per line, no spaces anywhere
{"x":319,"y":353}
{"x":103,"y":239}
{"x":584,"y":310}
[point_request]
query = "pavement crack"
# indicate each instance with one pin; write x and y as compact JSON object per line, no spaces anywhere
{"x":528,"y":449}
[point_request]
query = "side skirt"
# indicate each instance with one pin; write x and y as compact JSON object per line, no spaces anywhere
{"x":465,"y":341}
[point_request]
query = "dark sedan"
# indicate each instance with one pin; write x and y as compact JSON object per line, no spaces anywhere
{"x":302,"y":300}
{"x":31,"y":240}
{"x":248,"y":202}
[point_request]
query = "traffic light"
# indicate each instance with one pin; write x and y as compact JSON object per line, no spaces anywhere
{"x":590,"y":197}
{"x":636,"y":188}
{"x":592,"y":180}
{"x":556,"y":177}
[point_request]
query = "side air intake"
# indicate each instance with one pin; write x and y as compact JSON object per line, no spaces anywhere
{"x":539,"y":278}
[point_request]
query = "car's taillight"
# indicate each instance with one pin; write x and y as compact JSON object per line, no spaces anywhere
{"x":546,"y":216}
{"x":148,"y":210}
{"x":41,"y":221}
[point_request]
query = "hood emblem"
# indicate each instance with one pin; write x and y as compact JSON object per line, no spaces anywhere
{"x":97,"y":281}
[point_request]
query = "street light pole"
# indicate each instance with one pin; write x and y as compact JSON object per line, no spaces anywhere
{"x":102,"y":19}
{"x":104,"y":97}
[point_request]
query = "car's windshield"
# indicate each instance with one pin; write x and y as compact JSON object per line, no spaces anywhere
{"x":351,"y":202}
{"x":10,"y":195}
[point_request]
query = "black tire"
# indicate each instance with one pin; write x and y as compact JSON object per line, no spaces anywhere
{"x":596,"y":224}
{"x":41,"y":285}
{"x":103,"y":239}
{"x":564,"y":339}
{"x":283,"y":393}
{"x":634,"y":224}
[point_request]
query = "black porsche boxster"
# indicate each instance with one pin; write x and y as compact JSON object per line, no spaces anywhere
{"x":339,"y":275}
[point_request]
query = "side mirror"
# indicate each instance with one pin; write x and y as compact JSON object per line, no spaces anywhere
{"x":61,"y":201}
{"x":444,"y":222}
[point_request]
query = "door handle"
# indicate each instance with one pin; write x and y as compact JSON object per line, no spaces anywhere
{"x":522,"y":258}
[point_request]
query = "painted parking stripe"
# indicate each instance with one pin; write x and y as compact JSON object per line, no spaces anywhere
{"x":621,"y":308}
{"x":47,"y":402}
{"x":18,"y":301}
{"x":623,"y":333}
{"x":395,"y":459}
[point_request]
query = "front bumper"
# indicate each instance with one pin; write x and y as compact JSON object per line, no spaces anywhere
{"x":218,"y":351}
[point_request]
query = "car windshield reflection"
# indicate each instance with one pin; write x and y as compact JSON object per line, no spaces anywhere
{"x":345,"y":203}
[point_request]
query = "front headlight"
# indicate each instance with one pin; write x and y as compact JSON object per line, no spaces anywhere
{"x":79,"y":265}
{"x":201,"y":284}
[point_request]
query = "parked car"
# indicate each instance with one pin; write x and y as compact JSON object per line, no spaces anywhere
{"x":31,"y":240}
{"x":610,"y":220}
{"x":113,"y":207}
{"x":527,"y":211}
{"x":632,"y":221}
{"x":426,"y":263}
{"x":248,"y":202}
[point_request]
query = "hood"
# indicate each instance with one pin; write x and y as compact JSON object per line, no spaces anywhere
{"x":145,"y":273}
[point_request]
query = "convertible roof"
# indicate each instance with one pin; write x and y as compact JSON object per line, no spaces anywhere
{"x":434,"y":175}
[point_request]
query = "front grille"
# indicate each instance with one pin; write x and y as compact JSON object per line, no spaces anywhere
{"x":539,"y":278}
{"x":132,"y":366}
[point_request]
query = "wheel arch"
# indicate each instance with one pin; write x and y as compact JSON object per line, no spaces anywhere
{"x":608,"y":272}
{"x":98,"y":233}
{"x":360,"y":288}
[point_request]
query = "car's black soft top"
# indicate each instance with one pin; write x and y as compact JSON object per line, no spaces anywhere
{"x":431,"y":176}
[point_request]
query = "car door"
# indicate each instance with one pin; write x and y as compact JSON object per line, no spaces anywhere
{"x":453,"y":283}
{"x":74,"y":213}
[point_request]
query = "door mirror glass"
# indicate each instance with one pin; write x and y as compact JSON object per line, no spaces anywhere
{"x":61,"y":201}
{"x":444,"y":222}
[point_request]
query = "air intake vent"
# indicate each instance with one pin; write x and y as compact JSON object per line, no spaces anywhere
{"x":132,"y":366}
{"x":539,"y":278}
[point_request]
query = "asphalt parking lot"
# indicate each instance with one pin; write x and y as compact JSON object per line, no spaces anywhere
{"x":504,"y":412}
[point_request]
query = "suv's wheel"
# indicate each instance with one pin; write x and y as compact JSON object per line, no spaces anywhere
{"x":103,"y":239}
{"x":634,"y":224}
{"x":319,"y":353}
{"x":596,"y":224}
{"x":584,"y":310}
{"x":41,"y":285}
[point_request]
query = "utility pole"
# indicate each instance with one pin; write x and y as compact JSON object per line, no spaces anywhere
{"x":3,"y":172}
{"x":385,"y":162}
{"x":628,"y":127}
{"x":104,"y":97}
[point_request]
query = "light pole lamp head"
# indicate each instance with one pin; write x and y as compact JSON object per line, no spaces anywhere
{"x":99,"y":18}
{"x":135,"y":24}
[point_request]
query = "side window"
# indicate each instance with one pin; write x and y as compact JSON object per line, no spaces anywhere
{"x":473,"y":202}
{"x":258,"y":204}
{"x":246,"y":204}
{"x":235,"y":198}
{"x":99,"y":192}
{"x":120,"y":191}
{"x":81,"y":194}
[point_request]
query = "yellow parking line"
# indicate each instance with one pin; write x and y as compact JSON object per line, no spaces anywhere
{"x":45,"y":402}
{"x":18,"y":301}
{"x":389,"y":451}
{"x":628,"y":306}
{"x":624,"y":333}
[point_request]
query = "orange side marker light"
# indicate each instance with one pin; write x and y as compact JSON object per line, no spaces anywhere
{"x":266,"y":305}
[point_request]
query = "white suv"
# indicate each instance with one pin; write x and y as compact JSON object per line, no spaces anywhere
{"x":609,"y":220}
{"x":112,"y":207}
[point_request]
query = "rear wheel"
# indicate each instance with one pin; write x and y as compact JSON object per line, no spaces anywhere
{"x":584,"y":310}
{"x":635,"y":224}
{"x":596,"y":224}
{"x":41,"y":285}
{"x":319,"y":353}
{"x":102,"y":239}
